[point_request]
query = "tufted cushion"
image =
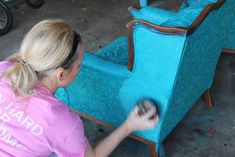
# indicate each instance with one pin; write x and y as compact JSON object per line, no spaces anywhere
{"x":190,"y":10}
{"x":185,"y":17}
{"x":152,"y":14}
{"x":188,"y":3}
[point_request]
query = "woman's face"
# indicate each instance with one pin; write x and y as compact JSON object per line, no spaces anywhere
{"x":73,"y":72}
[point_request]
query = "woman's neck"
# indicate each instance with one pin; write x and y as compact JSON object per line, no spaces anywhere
{"x":50,"y":84}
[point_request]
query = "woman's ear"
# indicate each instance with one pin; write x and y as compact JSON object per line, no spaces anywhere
{"x":60,"y":75}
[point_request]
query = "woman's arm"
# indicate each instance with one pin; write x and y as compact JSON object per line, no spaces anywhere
{"x":133,"y":122}
{"x":106,"y":146}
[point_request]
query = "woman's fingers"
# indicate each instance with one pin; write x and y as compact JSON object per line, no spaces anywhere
{"x":150,"y":123}
{"x":142,"y":122}
{"x":153,"y":122}
{"x":136,"y":110}
{"x":150,"y":118}
{"x":151,"y":112}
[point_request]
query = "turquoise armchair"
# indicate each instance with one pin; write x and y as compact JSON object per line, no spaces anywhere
{"x":170,"y":59}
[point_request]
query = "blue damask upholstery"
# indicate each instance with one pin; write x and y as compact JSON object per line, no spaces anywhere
{"x":114,"y":53}
{"x":173,"y":69}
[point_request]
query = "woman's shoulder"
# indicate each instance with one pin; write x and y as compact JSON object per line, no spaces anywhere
{"x":4,"y":65}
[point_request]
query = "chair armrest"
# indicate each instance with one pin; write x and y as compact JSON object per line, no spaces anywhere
{"x":97,"y":63}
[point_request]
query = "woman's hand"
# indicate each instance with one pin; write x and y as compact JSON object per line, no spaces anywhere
{"x":133,"y":122}
{"x":141,"y":122}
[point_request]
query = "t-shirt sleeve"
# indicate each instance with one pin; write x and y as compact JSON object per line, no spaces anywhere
{"x":73,"y":144}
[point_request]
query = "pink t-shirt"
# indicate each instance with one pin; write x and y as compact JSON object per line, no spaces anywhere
{"x":39,"y":125}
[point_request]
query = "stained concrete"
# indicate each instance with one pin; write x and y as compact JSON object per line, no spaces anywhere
{"x":203,"y":132}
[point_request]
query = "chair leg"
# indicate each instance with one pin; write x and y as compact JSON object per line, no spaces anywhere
{"x":152,"y":148}
{"x":207,"y":98}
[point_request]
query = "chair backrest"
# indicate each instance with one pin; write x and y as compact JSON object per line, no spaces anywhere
{"x":197,"y":66}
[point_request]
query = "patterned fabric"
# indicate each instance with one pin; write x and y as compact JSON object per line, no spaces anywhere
{"x":230,"y":40}
{"x":115,"y":51}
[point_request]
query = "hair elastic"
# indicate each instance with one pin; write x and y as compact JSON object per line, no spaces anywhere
{"x":21,"y":61}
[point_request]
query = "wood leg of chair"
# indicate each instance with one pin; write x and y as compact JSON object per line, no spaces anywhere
{"x":152,"y":148}
{"x":207,"y":98}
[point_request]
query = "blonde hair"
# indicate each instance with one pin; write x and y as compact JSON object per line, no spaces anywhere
{"x":44,"y":48}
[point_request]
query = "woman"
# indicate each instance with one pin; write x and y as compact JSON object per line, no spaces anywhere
{"x":32,"y":121}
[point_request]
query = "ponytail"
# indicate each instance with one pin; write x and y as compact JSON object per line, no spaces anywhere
{"x":22,"y":76}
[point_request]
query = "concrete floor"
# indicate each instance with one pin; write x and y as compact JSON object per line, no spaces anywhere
{"x":202,"y":133}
